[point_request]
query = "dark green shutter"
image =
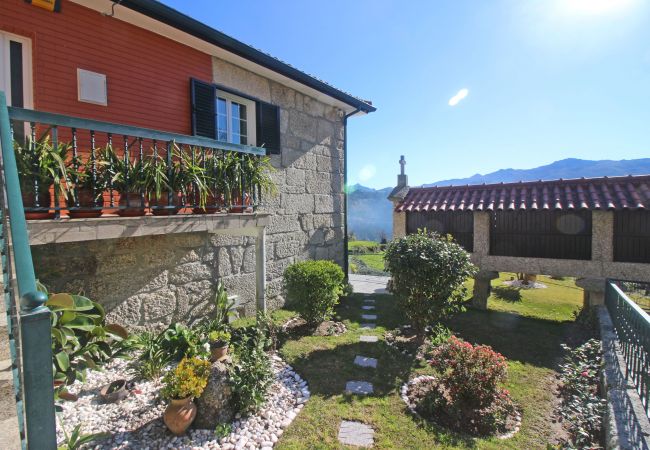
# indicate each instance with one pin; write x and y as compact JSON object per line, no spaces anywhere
{"x":268,"y":127}
{"x":204,"y":97}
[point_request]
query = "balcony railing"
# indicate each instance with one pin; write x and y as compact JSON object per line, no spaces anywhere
{"x":632,"y":326}
{"x":86,"y":168}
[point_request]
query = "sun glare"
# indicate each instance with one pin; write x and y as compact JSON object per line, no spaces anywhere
{"x":596,"y":6}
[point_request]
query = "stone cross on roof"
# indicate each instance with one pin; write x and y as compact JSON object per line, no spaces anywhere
{"x":402,"y":162}
{"x":402,"y":188}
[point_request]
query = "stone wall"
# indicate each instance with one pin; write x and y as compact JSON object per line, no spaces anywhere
{"x":155,"y":280}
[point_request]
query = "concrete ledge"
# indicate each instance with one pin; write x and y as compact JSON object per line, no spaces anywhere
{"x":625,"y":422}
{"x":75,"y":230}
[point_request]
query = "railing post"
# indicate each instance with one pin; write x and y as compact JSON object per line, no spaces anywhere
{"x":35,"y":333}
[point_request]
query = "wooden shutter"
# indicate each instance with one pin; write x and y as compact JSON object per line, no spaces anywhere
{"x":268,"y":127}
{"x":203,"y":96}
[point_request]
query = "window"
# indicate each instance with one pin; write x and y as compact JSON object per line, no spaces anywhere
{"x":235,"y":119}
{"x":15,"y":70}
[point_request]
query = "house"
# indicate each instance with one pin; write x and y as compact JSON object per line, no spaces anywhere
{"x":590,"y":228}
{"x":140,"y":68}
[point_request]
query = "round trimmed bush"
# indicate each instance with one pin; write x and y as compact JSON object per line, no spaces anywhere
{"x":314,"y":288}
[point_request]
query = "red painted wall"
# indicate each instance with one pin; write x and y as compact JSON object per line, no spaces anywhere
{"x":147,"y":74}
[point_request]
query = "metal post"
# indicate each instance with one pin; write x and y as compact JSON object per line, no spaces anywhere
{"x":36,"y":342}
{"x":260,"y":269}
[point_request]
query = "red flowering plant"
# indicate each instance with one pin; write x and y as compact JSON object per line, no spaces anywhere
{"x":466,"y":395}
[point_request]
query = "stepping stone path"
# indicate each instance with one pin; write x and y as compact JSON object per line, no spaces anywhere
{"x":356,"y":433}
{"x":365,"y":361}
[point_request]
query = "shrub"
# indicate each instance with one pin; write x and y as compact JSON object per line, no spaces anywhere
{"x":188,"y":379}
{"x":428,"y":272}
{"x":314,"y":288}
{"x":466,"y":395}
{"x":250,"y":374}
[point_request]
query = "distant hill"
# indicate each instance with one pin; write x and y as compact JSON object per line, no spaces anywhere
{"x":370,"y":212}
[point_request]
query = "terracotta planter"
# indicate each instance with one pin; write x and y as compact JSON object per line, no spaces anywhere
{"x":237,"y":201}
{"x":44,"y":203}
{"x":210,"y":205}
{"x":218,"y":353}
{"x":163,"y":207}
{"x":134,"y":207}
{"x":87,"y":208}
{"x":114,"y":392}
{"x":179,"y":415}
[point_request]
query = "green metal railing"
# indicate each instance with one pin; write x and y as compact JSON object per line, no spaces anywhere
{"x":632,"y":326}
{"x":28,"y":319}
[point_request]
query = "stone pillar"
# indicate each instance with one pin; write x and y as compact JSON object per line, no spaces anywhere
{"x":594,"y":291}
{"x":602,"y":236}
{"x":482,"y":288}
{"x":260,"y":269}
{"x":481,"y":233}
{"x":399,"y":223}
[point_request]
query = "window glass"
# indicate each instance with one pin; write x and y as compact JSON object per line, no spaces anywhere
{"x":233,"y":117}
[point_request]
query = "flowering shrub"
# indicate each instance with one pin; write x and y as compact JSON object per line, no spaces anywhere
{"x":582,"y":408}
{"x":188,"y":379}
{"x":466,"y":395}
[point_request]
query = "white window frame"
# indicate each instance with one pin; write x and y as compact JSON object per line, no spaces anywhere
{"x":251,"y":125}
{"x":28,"y":86}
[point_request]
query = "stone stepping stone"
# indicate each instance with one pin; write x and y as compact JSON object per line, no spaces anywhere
{"x":365,"y":361}
{"x":356,"y":433}
{"x":369,"y":316}
{"x":368,"y":308}
{"x":369,"y":300}
{"x":358,"y":387}
{"x":368,"y":339}
{"x":368,"y":325}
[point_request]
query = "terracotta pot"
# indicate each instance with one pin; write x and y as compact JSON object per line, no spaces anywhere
{"x":218,"y":353}
{"x":114,"y":392}
{"x":43,"y":210}
{"x":134,"y":207}
{"x":210,"y":205}
{"x":179,"y":415}
{"x":238,"y":201}
{"x":162,"y":207}
{"x":87,"y":208}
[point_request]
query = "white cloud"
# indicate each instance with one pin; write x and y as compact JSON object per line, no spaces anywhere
{"x":367,"y":172}
{"x":458,"y":97}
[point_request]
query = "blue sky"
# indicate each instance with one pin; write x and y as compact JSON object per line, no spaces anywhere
{"x":546,"y":79}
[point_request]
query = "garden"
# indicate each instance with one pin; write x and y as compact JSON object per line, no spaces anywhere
{"x":414,"y":367}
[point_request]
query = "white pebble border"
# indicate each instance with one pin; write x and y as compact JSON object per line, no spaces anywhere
{"x":136,"y":422}
{"x":411,"y":406}
{"x":520,"y":284}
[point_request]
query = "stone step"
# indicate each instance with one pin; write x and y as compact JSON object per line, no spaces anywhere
{"x":369,"y":316}
{"x":369,"y":300}
{"x":356,"y":433}
{"x":358,"y":387}
{"x":365,"y":361}
{"x":368,"y":339}
{"x":368,"y":308}
{"x":368,"y":325}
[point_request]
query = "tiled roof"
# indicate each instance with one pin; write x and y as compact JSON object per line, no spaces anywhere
{"x":629,"y":192}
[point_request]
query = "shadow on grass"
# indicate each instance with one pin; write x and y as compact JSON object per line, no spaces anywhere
{"x":507,"y":293}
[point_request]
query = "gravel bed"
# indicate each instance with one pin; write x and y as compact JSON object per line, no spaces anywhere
{"x":136,"y":422}
{"x":521,"y":285}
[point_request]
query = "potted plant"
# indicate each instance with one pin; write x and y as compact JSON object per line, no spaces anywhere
{"x":163,"y":200}
{"x":250,"y":176}
{"x":181,"y":385}
{"x":218,"y":344}
{"x":86,"y":185}
{"x":41,"y":167}
{"x":128,"y":176}
{"x":215,"y":181}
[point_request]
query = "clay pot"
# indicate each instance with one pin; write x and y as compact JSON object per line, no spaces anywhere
{"x":87,"y":208}
{"x":134,"y":207}
{"x":162,"y":207}
{"x":114,"y":392}
{"x":43,"y":210}
{"x":237,"y":201}
{"x":179,"y":415}
{"x":218,"y":353}
{"x":210,"y":205}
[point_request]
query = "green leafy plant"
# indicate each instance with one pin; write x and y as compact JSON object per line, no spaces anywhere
{"x":219,"y":338}
{"x":80,"y":178}
{"x":428,"y":275}
{"x":188,"y":379}
{"x":43,"y":163}
{"x":222,"y":430}
{"x":179,"y":341}
{"x":124,"y":175}
{"x":76,"y":439}
{"x":81,"y":338}
{"x":153,"y":358}
{"x":257,"y":172}
{"x":314,"y":288}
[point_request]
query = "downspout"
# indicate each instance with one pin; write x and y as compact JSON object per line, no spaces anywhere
{"x":346,"y":262}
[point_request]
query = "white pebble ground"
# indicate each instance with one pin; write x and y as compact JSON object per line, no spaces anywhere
{"x":136,"y":422}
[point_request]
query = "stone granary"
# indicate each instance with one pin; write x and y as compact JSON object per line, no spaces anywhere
{"x":590,"y":228}
{"x":138,"y":71}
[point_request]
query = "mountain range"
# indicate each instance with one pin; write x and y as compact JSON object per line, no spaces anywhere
{"x":370,"y":212}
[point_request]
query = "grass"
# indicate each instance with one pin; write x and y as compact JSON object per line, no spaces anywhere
{"x":528,"y":332}
{"x":372,"y":260}
{"x":363,"y":246}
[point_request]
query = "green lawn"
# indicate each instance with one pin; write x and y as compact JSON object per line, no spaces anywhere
{"x":373,"y":260}
{"x":528,"y":332}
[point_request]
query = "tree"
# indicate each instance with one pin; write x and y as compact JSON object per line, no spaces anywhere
{"x":428,"y":275}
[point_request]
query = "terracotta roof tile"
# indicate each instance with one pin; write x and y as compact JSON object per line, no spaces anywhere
{"x":629,"y":192}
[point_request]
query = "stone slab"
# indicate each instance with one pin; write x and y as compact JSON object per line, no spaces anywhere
{"x":368,"y":325}
{"x":368,"y":339}
{"x":358,"y":387}
{"x":369,"y":316}
{"x":365,"y":361}
{"x":367,"y":307}
{"x":370,"y":301}
{"x":356,"y":433}
{"x":366,"y":284}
